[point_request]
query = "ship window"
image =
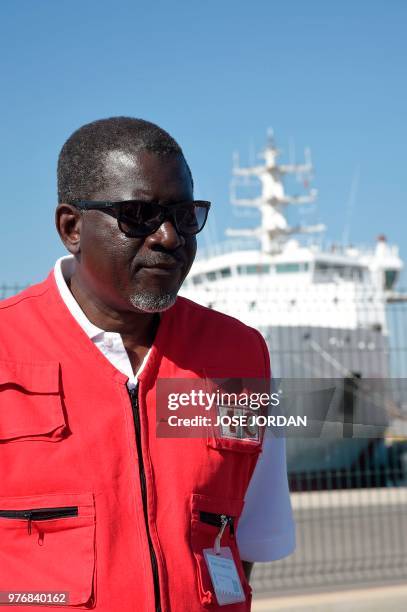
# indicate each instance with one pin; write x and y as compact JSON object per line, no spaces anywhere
{"x":211,"y":276}
{"x":288,"y":267}
{"x":225,"y":272}
{"x":322,"y":267}
{"x":254,"y":269}
{"x":334,"y":268}
{"x":257,"y":269}
{"x":197,"y":280}
{"x":354,"y":272}
{"x":390,"y":277}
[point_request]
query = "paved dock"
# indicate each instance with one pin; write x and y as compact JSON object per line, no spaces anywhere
{"x":371,"y":599}
{"x":345,"y":539}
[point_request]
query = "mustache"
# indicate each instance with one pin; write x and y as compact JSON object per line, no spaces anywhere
{"x":165,"y":259}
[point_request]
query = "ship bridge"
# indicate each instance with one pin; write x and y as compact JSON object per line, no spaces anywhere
{"x":265,"y":273}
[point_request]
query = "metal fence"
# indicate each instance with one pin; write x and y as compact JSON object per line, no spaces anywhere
{"x":9,"y":290}
{"x":351,"y":523}
{"x":346,"y":536}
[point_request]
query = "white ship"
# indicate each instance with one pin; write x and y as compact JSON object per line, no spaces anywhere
{"x":321,"y":310}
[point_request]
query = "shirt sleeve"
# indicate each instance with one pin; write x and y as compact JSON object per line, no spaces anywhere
{"x":266,"y":530}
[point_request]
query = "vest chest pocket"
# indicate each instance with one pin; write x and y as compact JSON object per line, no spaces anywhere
{"x":30,"y":402}
{"x":237,"y":417}
{"x":217,"y":439}
{"x":235,"y":430}
{"x":207,"y":517}
{"x":48,"y":545}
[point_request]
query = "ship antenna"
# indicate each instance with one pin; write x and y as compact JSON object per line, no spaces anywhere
{"x":273,"y":230}
{"x":291,"y":153}
{"x":350,"y":205}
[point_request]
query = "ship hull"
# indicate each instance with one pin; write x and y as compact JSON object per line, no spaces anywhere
{"x":343,"y":435}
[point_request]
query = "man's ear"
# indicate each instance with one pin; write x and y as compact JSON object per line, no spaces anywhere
{"x":68,"y":221}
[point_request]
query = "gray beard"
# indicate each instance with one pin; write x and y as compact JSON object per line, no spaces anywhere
{"x":149,"y":302}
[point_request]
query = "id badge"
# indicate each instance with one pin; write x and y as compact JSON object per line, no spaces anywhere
{"x":225,"y":578}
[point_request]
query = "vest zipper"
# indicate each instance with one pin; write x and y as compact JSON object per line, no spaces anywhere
{"x":217,"y":520}
{"x":40,"y":514}
{"x":136,"y":417}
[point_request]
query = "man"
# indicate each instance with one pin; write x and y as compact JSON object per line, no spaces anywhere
{"x":97,"y":511}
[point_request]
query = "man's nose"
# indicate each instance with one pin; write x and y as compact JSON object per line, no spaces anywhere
{"x":167,"y":236}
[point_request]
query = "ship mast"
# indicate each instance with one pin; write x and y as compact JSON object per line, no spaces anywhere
{"x":273,"y":230}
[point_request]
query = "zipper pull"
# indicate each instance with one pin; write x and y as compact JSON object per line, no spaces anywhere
{"x":40,"y":538}
{"x":28,"y":516}
{"x":224,"y":521}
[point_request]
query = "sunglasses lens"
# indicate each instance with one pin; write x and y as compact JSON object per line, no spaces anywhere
{"x":130,"y":212}
{"x":139,"y":219}
{"x":187,"y":219}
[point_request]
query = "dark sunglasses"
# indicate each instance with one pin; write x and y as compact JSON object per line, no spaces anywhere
{"x":138,"y":219}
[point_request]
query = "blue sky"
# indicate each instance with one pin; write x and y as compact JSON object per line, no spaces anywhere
{"x":329,"y":75}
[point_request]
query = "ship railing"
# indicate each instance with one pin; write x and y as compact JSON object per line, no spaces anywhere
{"x":225,"y":247}
{"x":251,"y":244}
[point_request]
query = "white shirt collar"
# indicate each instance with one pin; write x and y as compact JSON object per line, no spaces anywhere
{"x":63,"y":270}
{"x":116,"y":354}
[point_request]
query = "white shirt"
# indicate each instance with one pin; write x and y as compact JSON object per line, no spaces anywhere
{"x":266,"y":530}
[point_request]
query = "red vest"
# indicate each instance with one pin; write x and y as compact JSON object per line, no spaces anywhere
{"x":92,"y":502}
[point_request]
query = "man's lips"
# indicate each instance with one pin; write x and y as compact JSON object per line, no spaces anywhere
{"x":165,"y":266}
{"x":161,"y":263}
